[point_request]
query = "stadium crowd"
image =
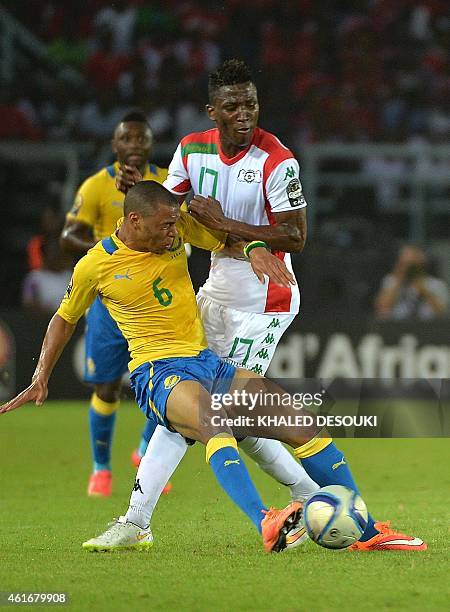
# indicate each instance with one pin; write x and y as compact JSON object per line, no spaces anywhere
{"x":367,"y":71}
{"x":373,"y":70}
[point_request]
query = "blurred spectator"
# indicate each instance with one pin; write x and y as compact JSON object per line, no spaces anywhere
{"x":60,"y":110}
{"x":157,"y":112}
{"x":68,"y":47}
{"x":374,"y":70}
{"x":197,"y":53}
{"x":120,"y":18}
{"x":15,"y":123}
{"x":43,"y":288}
{"x":191,"y":115}
{"x":105,"y":66}
{"x":51,"y":226}
{"x":409,"y":291}
{"x":100,"y":116}
{"x":389,"y":172}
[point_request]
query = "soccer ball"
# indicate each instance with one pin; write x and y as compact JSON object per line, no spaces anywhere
{"x":335,"y":517}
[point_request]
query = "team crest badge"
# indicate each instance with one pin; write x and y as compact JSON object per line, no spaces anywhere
{"x":171,"y":381}
{"x":90,"y":366}
{"x":294,"y":193}
{"x":250,"y":176}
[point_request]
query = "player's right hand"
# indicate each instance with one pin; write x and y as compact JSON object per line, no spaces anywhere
{"x":36,"y":392}
{"x":127,"y":177}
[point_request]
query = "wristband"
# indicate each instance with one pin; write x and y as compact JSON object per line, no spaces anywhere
{"x":253,"y":245}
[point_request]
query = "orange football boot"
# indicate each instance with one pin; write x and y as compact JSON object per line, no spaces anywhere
{"x":100,"y":484}
{"x":277,"y":524}
{"x":167,"y":489}
{"x":389,"y":539}
{"x":135,"y":458}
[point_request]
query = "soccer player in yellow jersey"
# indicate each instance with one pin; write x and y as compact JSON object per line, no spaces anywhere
{"x":97,"y":207}
{"x":141,"y":274}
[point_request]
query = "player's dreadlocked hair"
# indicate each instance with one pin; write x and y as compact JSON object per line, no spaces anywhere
{"x":231,"y":72}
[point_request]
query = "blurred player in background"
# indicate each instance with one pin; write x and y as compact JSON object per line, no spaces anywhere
{"x":97,"y":208}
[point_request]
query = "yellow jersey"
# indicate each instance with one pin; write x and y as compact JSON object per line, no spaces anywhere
{"x":99,"y":203}
{"x":149,"y":295}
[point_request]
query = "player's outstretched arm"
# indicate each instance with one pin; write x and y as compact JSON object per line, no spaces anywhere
{"x":127,"y":177}
{"x":76,"y":237}
{"x":58,"y":334}
{"x":261,"y":260}
{"x":288,"y":235}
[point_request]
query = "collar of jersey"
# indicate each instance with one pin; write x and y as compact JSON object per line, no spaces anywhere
{"x":121,"y":245}
{"x":229,"y":161}
{"x":116,"y":240}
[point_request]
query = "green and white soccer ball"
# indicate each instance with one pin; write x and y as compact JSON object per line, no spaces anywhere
{"x":335,"y":517}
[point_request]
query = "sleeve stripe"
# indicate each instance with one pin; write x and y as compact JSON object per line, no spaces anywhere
{"x":182,"y":187}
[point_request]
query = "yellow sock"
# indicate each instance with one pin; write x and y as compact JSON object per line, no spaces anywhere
{"x":104,"y":408}
{"x":219,"y":441}
{"x":314,"y":446}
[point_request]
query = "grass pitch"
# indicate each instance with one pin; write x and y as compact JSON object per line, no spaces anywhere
{"x":207,"y":555}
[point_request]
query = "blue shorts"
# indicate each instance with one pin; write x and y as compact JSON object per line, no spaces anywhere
{"x":107,"y":353}
{"x":152,"y":382}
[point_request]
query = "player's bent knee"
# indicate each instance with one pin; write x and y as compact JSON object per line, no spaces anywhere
{"x":109,"y":392}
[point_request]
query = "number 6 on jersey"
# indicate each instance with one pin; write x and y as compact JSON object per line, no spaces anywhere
{"x":162,"y":294}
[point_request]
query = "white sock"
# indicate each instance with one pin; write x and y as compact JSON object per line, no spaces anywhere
{"x":277,"y":461}
{"x":164,"y":452}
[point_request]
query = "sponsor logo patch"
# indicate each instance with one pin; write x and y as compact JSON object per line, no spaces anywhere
{"x":137,"y":486}
{"x":338,"y":464}
{"x":121,"y":276}
{"x":290,"y":173}
{"x":171,"y":381}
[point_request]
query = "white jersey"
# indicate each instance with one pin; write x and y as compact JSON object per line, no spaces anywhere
{"x":261,"y":180}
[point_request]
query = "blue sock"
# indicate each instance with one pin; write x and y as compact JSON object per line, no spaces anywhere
{"x":148,"y":432}
{"x":101,"y":429}
{"x":233,"y":477}
{"x":320,"y":468}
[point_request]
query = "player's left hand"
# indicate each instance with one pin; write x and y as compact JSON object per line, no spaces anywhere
{"x":208,"y":211}
{"x":36,"y":392}
{"x":263,"y":262}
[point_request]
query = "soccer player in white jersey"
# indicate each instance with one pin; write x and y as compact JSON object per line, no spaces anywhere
{"x":256,"y":180}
